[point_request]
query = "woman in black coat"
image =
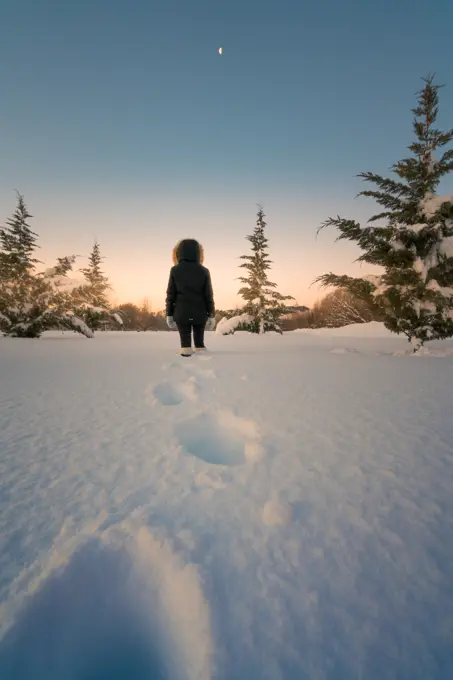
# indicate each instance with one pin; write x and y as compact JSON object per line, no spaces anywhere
{"x":190,"y":300}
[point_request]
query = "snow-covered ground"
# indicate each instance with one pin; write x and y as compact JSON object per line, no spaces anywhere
{"x":279,"y":509}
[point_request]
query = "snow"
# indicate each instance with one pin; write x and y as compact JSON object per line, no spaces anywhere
{"x":274,"y":509}
{"x":423,"y":306}
{"x":431,"y":161}
{"x":97,"y":310}
{"x":276,"y":513}
{"x":417,"y":228}
{"x":437,"y":288}
{"x":423,"y":267}
{"x":446,"y":246}
{"x":397,"y":245}
{"x":373,"y":330}
{"x":381,"y":288}
{"x":79,"y":325}
{"x":118,"y":318}
{"x":226,"y":326}
{"x":431,"y":203}
{"x":420,"y":267}
{"x":372,"y":278}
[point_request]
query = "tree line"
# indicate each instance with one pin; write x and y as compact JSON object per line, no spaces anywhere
{"x":410,"y":239}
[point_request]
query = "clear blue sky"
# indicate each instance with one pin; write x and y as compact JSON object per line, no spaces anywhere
{"x":120,"y":121}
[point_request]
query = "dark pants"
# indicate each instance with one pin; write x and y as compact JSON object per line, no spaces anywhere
{"x":185,"y":332}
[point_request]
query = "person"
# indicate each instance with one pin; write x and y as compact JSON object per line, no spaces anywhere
{"x":190,"y":299}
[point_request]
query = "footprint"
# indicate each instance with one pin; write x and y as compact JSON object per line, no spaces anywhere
{"x":170,"y":394}
{"x":207,"y":373}
{"x":123,"y":606}
{"x":344,"y":350}
{"x":174,"y":365}
{"x":220,"y":438}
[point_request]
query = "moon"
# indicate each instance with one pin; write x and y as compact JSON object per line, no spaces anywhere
{"x":220,"y":50}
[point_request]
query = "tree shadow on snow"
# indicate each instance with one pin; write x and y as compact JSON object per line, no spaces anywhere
{"x":87,"y":622}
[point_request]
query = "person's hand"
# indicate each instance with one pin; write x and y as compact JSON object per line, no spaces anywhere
{"x":210,"y":324}
{"x":171,"y":324}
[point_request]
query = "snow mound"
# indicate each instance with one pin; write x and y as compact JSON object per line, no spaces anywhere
{"x":373,"y":329}
{"x":220,"y":438}
{"x":276,"y":513}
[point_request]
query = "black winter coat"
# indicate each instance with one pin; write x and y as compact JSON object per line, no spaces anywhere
{"x":189,"y":293}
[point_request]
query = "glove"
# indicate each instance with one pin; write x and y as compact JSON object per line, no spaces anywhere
{"x":210,"y":323}
{"x":171,"y":324}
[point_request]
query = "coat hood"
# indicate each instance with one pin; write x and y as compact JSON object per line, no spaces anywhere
{"x":188,"y":249}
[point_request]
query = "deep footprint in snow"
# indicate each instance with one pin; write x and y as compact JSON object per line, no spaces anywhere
{"x":220,"y":438}
{"x":111,"y":613}
{"x":170,"y":394}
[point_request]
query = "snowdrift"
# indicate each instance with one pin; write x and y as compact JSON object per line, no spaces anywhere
{"x":373,"y":330}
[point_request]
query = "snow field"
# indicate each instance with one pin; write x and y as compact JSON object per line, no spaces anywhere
{"x":275,"y":509}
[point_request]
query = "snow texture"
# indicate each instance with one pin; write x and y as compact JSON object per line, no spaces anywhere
{"x":276,"y":513}
{"x":280,"y":508}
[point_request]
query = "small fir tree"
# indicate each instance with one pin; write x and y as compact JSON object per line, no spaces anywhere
{"x":415,"y":247}
{"x":263,"y":303}
{"x":93,"y":305}
{"x":97,"y":284}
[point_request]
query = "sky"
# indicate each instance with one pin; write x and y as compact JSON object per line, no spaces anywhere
{"x":121,"y":122}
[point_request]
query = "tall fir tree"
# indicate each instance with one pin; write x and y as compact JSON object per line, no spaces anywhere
{"x":18,"y":244}
{"x":30,"y":301}
{"x":415,"y":245}
{"x":263,"y":303}
{"x":18,"y":289}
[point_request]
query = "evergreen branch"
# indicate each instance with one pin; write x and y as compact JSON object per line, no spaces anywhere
{"x":360,"y":288}
{"x":386,"y":184}
{"x":385,"y":199}
{"x":381,"y":216}
{"x":348,"y":228}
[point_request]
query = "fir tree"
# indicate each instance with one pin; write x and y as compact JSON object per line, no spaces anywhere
{"x":415,"y":244}
{"x":263,"y":303}
{"x":17,"y":266}
{"x":97,"y":285}
{"x":18,"y":244}
{"x":32,"y":302}
{"x":93,"y":301}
